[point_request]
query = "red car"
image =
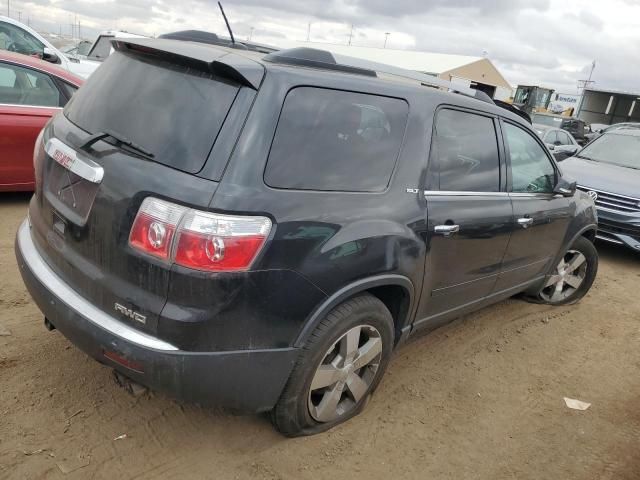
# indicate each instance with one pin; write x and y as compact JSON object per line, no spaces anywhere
{"x":31,"y":92}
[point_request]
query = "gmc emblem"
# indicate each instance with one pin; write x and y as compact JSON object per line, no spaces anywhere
{"x":127,"y":312}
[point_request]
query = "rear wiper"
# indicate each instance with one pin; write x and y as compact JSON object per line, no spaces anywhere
{"x":119,"y":138}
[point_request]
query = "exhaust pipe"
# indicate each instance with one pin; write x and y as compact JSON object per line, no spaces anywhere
{"x":48,"y":325}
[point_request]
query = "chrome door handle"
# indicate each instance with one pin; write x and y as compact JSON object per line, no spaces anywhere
{"x":447,"y":230}
{"x":525,"y":222}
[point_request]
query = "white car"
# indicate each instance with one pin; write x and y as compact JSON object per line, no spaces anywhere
{"x":102,"y":48}
{"x":18,"y":37}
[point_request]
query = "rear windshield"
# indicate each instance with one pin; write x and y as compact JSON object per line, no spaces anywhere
{"x":547,"y":120}
{"x":336,"y":140}
{"x":172,"y":112}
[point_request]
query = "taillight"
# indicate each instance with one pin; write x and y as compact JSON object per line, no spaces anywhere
{"x":196,"y":239}
{"x":155,"y":226}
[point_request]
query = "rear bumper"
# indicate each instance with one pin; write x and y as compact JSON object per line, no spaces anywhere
{"x":618,"y":228}
{"x":244,"y":380}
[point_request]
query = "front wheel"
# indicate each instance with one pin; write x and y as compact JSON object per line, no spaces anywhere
{"x":338,"y":369}
{"x":573,"y":276}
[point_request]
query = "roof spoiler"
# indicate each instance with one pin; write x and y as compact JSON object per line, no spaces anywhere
{"x":202,"y":57}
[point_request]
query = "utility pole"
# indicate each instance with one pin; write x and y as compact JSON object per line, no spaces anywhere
{"x":587,"y":83}
{"x":19,"y":16}
{"x":386,"y":36}
{"x":308,"y":31}
{"x":250,"y":34}
{"x":351,"y":34}
{"x":79,"y":30}
{"x":8,"y":11}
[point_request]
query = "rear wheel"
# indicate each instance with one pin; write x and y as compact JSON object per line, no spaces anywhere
{"x":338,"y":369}
{"x":573,"y":276}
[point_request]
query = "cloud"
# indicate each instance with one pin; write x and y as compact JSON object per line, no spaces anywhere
{"x":531,"y":41}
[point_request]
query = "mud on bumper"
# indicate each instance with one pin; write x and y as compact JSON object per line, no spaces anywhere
{"x":244,"y":380}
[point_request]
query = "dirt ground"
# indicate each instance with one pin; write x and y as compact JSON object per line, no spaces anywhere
{"x":479,"y":399}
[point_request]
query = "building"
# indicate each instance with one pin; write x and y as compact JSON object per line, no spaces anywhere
{"x":476,"y":72}
{"x":609,"y":106}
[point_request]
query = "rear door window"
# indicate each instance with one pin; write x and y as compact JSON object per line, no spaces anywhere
{"x":336,"y":140}
{"x":171,"y":111}
{"x":464,"y":153}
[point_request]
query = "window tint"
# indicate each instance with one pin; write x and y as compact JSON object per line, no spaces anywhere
{"x":18,"y":40}
{"x":176,"y":116}
{"x":335,"y":140}
{"x":464,"y":153}
{"x":23,"y":86}
{"x":531,"y":169}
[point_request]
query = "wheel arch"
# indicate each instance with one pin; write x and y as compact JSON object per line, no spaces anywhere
{"x":395,"y":291}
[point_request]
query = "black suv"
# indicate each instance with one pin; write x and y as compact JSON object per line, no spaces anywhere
{"x":262,"y":232}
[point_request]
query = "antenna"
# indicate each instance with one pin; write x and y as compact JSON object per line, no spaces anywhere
{"x":233,"y":40}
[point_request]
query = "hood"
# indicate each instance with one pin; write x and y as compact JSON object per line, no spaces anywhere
{"x":602,"y":176}
{"x":82,"y":68}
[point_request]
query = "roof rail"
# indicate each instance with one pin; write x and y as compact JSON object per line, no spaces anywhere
{"x":314,"y":57}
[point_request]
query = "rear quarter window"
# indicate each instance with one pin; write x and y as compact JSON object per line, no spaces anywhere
{"x":334,"y":140}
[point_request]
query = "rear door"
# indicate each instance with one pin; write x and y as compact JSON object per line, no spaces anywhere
{"x":541,"y":217}
{"x":28,"y":98}
{"x":469,"y":213}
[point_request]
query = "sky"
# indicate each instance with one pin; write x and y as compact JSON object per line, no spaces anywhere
{"x":536,"y":42}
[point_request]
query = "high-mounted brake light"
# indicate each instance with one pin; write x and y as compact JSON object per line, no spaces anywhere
{"x":196,"y":239}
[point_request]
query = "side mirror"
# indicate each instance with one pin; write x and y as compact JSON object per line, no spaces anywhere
{"x":50,"y":55}
{"x":565,"y":187}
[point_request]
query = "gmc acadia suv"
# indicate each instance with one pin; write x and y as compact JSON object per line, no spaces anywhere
{"x":262,"y":232}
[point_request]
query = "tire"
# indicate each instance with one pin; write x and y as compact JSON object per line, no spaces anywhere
{"x":300,"y":410}
{"x":586,"y":271}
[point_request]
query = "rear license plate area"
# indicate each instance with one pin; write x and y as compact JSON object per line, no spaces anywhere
{"x":69,"y":194}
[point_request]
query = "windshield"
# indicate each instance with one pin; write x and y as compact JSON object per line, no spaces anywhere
{"x":546,"y":120}
{"x":616,"y":149}
{"x":170,"y":111}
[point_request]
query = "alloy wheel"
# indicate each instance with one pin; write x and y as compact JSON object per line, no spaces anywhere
{"x":345,"y":373}
{"x":569,"y":275}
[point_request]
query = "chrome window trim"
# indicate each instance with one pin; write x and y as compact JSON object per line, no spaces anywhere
{"x":28,"y":106}
{"x":452,"y":193}
{"x":78,"y":304}
{"x":68,"y":158}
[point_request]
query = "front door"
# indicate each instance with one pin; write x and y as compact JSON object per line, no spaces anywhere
{"x":469,"y":215}
{"x":541,"y":217}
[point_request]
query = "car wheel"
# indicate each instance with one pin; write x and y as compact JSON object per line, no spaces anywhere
{"x":573,"y":276}
{"x":338,"y":368}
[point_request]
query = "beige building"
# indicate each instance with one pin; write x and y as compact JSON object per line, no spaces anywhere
{"x":475,"y":72}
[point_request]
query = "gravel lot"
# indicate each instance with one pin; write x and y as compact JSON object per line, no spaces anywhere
{"x":479,"y":399}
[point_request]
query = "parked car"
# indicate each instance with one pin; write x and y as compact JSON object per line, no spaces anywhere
{"x":270,"y":254}
{"x":18,"y":37}
{"x":560,"y":142}
{"x":78,"y":50}
{"x":31,"y":92}
{"x":102,"y":48}
{"x":574,"y":126}
{"x":599,"y":129}
{"x":608,"y":169}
